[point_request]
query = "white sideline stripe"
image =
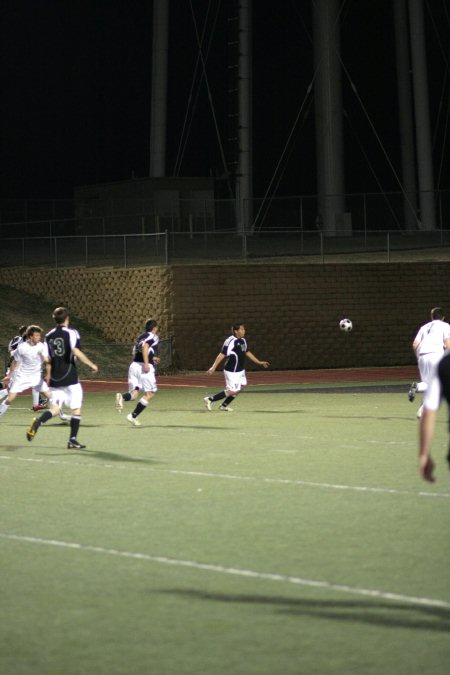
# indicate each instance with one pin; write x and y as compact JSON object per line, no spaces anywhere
{"x":205,"y":474}
{"x":220,"y":569}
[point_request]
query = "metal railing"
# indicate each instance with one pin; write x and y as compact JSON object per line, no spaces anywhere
{"x":368,"y":212}
{"x":161,"y":249}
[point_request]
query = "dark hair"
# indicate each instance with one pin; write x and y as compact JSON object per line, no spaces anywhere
{"x":60,"y":314}
{"x":33,"y":329}
{"x":437,"y":313}
{"x":236,"y":326}
{"x":22,"y":330}
{"x":150,"y":324}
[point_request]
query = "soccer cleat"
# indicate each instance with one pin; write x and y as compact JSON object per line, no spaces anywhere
{"x":32,"y":429}
{"x":119,"y":403}
{"x":225,"y":408}
{"x":134,"y":420}
{"x":208,"y":402}
{"x":73,"y":443}
{"x":40,"y":406}
{"x":412,"y":392}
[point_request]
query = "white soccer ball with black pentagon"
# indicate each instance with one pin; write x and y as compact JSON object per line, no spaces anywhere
{"x":346,"y":325}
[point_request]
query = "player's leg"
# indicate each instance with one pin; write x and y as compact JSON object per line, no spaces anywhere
{"x":234,"y":383}
{"x":4,"y":406}
{"x":134,"y":378}
{"x":148,"y":384}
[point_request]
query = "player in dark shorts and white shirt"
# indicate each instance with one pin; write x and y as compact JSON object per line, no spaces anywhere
{"x":63,"y":349}
{"x":438,"y":390}
{"x":141,"y":373}
{"x":234,"y":351}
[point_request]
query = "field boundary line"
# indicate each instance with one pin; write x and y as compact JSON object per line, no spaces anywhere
{"x":225,"y":476}
{"x":240,"y":572}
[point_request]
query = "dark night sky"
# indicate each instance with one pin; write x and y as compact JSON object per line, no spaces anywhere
{"x":75,"y":85}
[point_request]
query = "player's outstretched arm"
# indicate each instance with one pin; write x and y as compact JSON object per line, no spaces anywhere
{"x":219,"y":358}
{"x":252,"y":357}
{"x":84,"y":359}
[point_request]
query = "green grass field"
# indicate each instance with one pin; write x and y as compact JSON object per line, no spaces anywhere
{"x":292,"y":536}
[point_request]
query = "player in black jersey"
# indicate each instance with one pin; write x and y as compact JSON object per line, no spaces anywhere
{"x":63,"y":349}
{"x":234,"y":351}
{"x":141,"y":373}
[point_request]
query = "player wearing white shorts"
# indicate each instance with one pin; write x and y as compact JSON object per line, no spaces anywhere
{"x":141,"y":372}
{"x":429,"y":344}
{"x":234,"y":351}
{"x":438,"y":389}
{"x":26,"y":367}
{"x":39,"y":401}
{"x":63,"y":349}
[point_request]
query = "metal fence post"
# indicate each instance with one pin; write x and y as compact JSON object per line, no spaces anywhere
{"x":388,"y":243}
{"x":166,"y":242}
{"x":244,"y":245}
{"x":125,"y":251}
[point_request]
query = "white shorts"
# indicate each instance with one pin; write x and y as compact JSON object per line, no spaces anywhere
{"x":137,"y":379}
{"x":23,"y":381}
{"x":71,"y":396}
{"x":427,"y":364}
{"x":234,"y":381}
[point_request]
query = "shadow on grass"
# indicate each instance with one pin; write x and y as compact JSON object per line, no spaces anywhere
{"x":99,"y":454}
{"x":264,"y":411}
{"x":376,"y":613}
{"x":372,"y":417}
{"x":188,"y":426}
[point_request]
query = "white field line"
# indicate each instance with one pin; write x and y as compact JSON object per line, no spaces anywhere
{"x":220,"y":569}
{"x":225,"y":476}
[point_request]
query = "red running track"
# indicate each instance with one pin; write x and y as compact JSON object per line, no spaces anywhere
{"x":279,"y":377}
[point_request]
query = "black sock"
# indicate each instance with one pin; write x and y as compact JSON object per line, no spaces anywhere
{"x":47,"y":415}
{"x":138,"y":409}
{"x":74,"y":425}
{"x":228,"y":400}
{"x":127,"y":396}
{"x":217,"y":397}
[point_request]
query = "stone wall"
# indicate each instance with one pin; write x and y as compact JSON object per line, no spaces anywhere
{"x":117,"y":301}
{"x":291,"y":310}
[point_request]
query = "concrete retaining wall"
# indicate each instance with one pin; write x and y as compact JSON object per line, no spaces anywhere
{"x":291,"y":310}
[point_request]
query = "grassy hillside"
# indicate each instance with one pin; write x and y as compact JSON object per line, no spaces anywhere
{"x":18,"y":308}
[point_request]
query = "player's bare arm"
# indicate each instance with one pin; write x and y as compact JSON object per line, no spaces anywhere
{"x":145,"y":351}
{"x":252,"y":357}
{"x":219,"y":358}
{"x":84,"y":359}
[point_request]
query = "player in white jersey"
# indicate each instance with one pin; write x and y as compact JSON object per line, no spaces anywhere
{"x":39,"y":401}
{"x":26,"y":367}
{"x":429,"y":344}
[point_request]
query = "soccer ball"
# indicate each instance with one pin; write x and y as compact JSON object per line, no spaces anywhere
{"x":345,"y":325}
